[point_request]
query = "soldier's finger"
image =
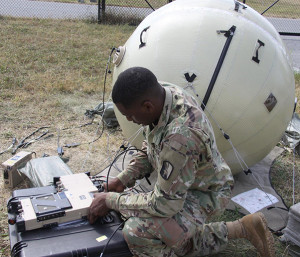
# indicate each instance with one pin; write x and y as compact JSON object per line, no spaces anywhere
{"x":91,"y":218}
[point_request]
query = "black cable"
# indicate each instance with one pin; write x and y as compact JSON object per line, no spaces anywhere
{"x":132,"y":148}
{"x":85,"y":143}
{"x":150,"y":5}
{"x":26,"y":144}
{"x":80,"y":126}
{"x":110,"y":166}
{"x":125,"y":155}
{"x":143,"y":190}
{"x":22,"y":142}
{"x":270,"y":7}
{"x":112,"y":237}
{"x":116,"y":158}
{"x":117,"y":168}
{"x":107,"y":70}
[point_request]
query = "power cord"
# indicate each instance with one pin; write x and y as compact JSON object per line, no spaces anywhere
{"x":107,"y":70}
{"x":117,"y":157}
{"x":111,"y":236}
{"x":24,"y":144}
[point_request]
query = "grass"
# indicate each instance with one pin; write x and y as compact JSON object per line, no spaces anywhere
{"x":284,"y":163}
{"x":282,"y":9}
{"x":52,"y":71}
{"x":137,"y":3}
{"x":35,"y":60}
{"x":126,"y":3}
{"x":112,"y":19}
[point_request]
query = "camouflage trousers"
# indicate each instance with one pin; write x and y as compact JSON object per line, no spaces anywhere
{"x":185,"y":234}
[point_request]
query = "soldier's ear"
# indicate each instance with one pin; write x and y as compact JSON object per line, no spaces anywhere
{"x":148,"y":106}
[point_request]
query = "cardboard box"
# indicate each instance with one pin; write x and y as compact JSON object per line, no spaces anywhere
{"x":11,"y":176}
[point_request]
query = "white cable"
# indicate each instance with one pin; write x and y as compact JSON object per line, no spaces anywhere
{"x":101,"y":116}
{"x":265,"y":193}
{"x":91,"y":143}
{"x":294,"y":153}
{"x":108,"y":145}
{"x":240,"y":158}
{"x":237,"y":154}
{"x":134,"y":136}
{"x":290,"y":126}
{"x":85,"y":158}
{"x":294,"y":150}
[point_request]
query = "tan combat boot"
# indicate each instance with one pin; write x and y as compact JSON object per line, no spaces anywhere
{"x":254,"y":228}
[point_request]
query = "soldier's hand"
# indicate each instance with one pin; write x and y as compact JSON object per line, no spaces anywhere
{"x":114,"y":185}
{"x":98,"y":207}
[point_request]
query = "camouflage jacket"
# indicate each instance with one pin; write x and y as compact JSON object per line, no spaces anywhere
{"x":181,"y":148}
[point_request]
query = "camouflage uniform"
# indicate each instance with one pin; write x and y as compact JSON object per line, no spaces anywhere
{"x":193,"y":184}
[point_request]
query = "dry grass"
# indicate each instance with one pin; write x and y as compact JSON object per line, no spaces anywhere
{"x":38,"y":56}
{"x":137,"y":3}
{"x":126,"y":3}
{"x":283,"y":9}
{"x":50,"y":79}
{"x":50,"y":73}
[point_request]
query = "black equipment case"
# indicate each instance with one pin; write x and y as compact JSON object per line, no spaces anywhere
{"x":74,"y":239}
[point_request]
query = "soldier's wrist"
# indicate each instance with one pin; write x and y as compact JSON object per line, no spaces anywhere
{"x":111,"y":200}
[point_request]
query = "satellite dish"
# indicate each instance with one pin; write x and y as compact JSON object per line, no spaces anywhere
{"x":231,"y":59}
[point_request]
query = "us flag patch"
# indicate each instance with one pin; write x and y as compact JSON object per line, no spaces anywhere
{"x":166,"y":170}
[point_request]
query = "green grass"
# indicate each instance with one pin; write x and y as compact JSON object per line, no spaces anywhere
{"x":36,"y":55}
{"x":283,"y":8}
{"x":51,"y":71}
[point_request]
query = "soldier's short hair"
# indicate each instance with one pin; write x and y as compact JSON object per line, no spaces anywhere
{"x":133,"y":84}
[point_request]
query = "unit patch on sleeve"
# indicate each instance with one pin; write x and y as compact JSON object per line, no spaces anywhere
{"x":166,"y":170}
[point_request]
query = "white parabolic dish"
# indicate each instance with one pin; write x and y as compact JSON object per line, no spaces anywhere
{"x":229,"y":57}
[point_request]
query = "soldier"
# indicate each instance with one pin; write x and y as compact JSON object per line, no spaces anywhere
{"x":193,"y":181}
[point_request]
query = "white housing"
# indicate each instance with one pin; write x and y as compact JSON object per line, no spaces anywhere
{"x":252,"y":82}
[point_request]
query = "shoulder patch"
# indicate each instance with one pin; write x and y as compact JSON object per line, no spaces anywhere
{"x":166,"y":170}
